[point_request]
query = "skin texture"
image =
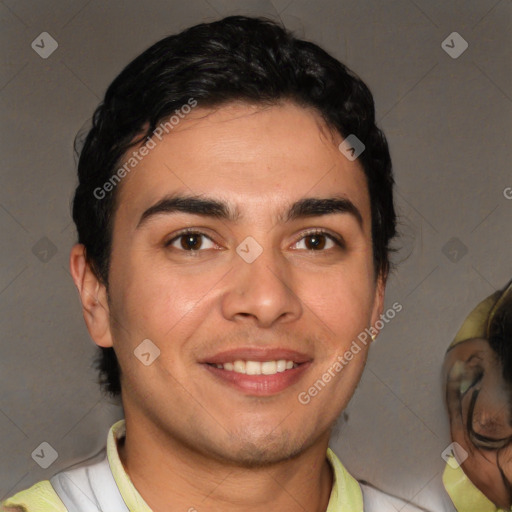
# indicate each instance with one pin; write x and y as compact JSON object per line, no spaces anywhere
{"x":473,"y":366}
{"x":192,"y":440}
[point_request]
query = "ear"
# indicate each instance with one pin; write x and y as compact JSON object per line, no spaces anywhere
{"x":378,"y":301}
{"x":93,"y":296}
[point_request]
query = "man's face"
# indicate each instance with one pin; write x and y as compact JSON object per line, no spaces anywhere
{"x":200,"y":301}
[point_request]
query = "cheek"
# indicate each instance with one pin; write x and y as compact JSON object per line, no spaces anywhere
{"x":157,"y":297}
{"x":342,"y":299}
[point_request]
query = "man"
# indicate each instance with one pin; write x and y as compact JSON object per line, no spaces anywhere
{"x":234,"y":214}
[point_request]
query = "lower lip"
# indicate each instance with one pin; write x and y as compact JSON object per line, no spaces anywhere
{"x":259,"y":385}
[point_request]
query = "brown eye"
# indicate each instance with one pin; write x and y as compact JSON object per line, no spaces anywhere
{"x":190,"y":242}
{"x":319,"y":241}
{"x":315,"y":241}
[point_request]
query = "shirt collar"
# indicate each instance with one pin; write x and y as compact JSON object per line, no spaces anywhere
{"x":345,"y":496}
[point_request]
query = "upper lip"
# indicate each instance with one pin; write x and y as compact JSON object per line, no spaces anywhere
{"x":257,"y":354}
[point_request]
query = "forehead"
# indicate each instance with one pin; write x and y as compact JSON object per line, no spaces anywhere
{"x":248,"y":155}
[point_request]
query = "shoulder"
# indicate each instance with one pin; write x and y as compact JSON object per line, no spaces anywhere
{"x":41,"y":497}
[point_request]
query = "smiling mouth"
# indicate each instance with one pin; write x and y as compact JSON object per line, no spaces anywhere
{"x":258,"y":378}
{"x":257,"y":367}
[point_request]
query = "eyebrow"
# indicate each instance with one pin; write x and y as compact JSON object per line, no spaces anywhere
{"x":209,"y":207}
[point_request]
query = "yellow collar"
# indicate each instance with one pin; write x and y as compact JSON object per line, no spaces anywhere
{"x":346,"y":493}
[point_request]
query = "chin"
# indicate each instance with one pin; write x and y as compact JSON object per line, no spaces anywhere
{"x":255,"y":456}
{"x":269,"y":449}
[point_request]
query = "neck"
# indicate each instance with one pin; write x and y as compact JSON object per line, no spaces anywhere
{"x":167,"y":473}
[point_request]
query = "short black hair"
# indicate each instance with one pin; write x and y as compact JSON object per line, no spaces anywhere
{"x":238,"y":58}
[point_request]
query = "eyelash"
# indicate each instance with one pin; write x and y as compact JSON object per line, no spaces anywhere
{"x":190,"y":231}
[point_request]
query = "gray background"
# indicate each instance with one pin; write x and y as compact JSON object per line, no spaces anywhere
{"x":448,"y":122}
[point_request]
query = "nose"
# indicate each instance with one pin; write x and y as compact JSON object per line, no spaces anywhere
{"x":262,"y":291}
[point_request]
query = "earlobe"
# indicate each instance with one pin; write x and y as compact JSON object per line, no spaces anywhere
{"x":93,"y":297}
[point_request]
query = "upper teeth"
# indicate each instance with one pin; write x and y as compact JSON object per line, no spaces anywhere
{"x":257,"y":367}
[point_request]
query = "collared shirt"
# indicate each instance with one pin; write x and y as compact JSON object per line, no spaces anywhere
{"x":83,"y":488}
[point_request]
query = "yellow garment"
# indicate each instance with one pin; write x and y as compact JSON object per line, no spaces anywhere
{"x":40,"y":497}
{"x":346,"y":495}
